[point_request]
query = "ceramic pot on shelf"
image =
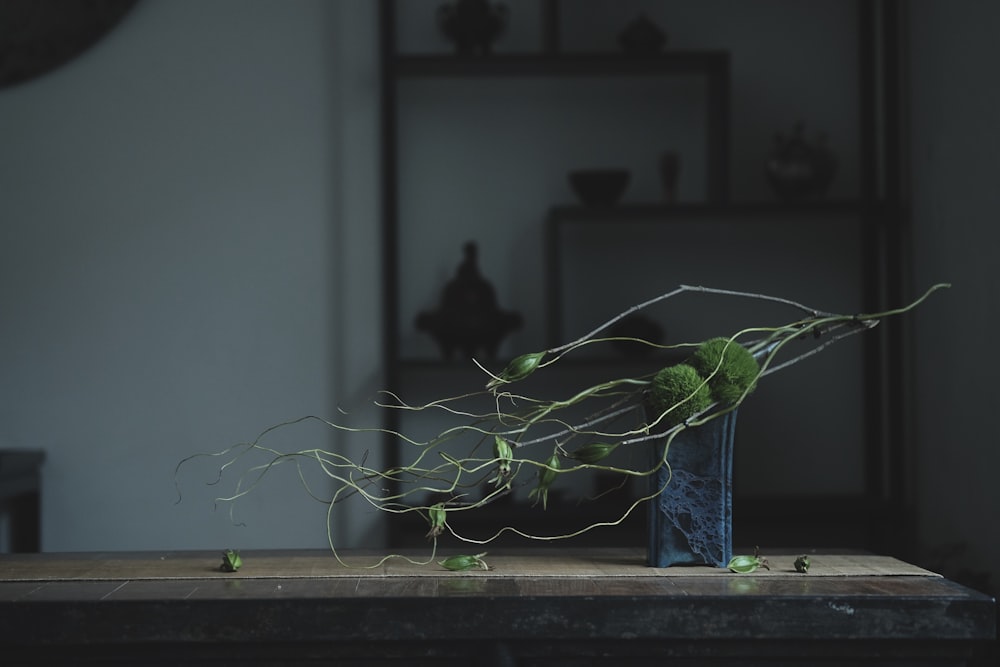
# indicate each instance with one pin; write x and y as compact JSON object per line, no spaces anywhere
{"x":472,"y":25}
{"x":799,"y":169}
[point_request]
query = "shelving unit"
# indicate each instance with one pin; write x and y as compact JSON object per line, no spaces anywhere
{"x":869,"y":225}
{"x":773,"y":216}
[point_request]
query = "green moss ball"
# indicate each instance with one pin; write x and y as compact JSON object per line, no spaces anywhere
{"x":728,"y":377}
{"x":679,"y":386}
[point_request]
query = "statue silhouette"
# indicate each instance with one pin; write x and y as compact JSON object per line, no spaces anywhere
{"x":468,"y":318}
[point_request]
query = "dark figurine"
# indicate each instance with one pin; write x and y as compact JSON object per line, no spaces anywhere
{"x":472,"y":25}
{"x":642,"y":37}
{"x":468,"y":318}
{"x":797,"y":169}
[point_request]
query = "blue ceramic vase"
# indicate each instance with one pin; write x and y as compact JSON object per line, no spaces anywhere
{"x":691,"y":521}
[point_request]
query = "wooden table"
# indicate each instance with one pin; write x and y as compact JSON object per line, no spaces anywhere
{"x":538,"y":607}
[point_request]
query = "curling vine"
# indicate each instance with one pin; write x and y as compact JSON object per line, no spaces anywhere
{"x":529,"y":441}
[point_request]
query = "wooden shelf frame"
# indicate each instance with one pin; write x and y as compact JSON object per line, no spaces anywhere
{"x":878,"y":212}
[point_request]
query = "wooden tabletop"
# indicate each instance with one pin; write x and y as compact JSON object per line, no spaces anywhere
{"x":541,"y":595}
{"x":595,"y":565}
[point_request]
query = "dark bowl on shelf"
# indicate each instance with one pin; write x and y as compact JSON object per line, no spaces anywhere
{"x":599,"y":187}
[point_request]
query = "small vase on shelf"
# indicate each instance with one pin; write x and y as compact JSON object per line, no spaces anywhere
{"x":798,"y":169}
{"x":472,"y":25}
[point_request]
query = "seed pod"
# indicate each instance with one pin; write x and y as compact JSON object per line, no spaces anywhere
{"x":594,"y":452}
{"x":504,"y":455}
{"x":436,"y":515}
{"x":546,"y":475}
{"x":462,"y":563}
{"x":802,"y":564}
{"x":744,"y":564}
{"x":518,"y":369}
{"x":231,"y":561}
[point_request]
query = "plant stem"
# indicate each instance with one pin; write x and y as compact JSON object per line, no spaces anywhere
{"x":812,"y":312}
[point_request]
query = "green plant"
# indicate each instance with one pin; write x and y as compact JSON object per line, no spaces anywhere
{"x":732,"y":369}
{"x":678,"y":393}
{"x":527,"y":440}
{"x":744,"y":564}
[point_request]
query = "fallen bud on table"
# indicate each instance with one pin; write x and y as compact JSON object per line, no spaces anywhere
{"x":461,"y":563}
{"x":231,"y":561}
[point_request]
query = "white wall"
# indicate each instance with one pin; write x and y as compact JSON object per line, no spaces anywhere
{"x":176,"y":208}
{"x":955,"y":140}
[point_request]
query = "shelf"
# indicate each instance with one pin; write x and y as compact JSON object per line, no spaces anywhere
{"x":650,"y":212}
{"x":462,"y":370}
{"x":448,"y":375}
{"x":555,"y":520}
{"x":843,"y":521}
{"x":840,"y":247}
{"x":712,"y":63}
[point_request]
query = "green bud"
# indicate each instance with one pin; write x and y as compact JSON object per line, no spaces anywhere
{"x":546,"y":475}
{"x":231,"y":561}
{"x":504,"y":455}
{"x":462,"y":563}
{"x":436,"y":515}
{"x":802,"y":564}
{"x":744,"y":564}
{"x":518,"y":369}
{"x":594,"y":452}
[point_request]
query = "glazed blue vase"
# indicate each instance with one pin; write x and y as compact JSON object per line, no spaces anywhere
{"x":691,"y":521}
